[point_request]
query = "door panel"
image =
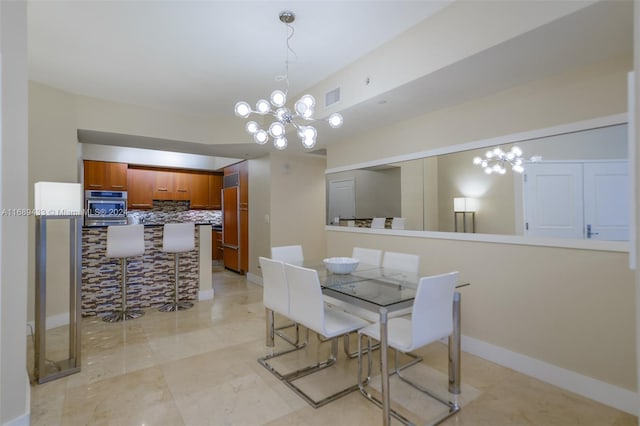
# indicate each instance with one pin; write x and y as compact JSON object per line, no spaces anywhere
{"x":606,"y":199}
{"x":553,"y":200}
{"x":342,"y":199}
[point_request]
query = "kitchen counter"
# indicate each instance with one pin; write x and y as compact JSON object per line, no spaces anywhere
{"x":150,"y":278}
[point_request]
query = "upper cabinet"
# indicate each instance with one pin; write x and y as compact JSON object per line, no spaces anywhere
{"x":215,"y":191}
{"x":200,"y":188}
{"x":103,"y":175}
{"x":141,"y":184}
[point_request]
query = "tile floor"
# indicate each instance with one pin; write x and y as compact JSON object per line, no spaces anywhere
{"x":199,"y":367}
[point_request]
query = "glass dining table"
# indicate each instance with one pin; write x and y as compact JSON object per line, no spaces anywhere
{"x":383,"y":291}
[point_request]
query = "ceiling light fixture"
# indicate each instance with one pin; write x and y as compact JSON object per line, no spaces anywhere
{"x":496,"y":159}
{"x":302,"y":111}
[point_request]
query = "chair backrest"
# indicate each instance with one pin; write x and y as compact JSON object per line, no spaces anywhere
{"x":367,"y":256}
{"x":275,"y":291}
{"x":125,"y":240}
{"x":401,"y":261}
{"x":306,"y":305}
{"x":378,"y":222}
{"x":397,"y":223}
{"x":432,"y":315}
{"x":287,"y":254}
{"x":179,"y":237}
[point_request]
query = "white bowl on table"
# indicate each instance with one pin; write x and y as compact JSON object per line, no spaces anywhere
{"x":341,"y":265}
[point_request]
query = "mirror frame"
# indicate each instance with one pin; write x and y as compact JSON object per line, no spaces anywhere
{"x":610,"y":120}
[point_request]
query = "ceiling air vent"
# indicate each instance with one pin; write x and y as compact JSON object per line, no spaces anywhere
{"x":332,"y":97}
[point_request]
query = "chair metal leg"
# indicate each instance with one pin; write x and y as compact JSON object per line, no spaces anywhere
{"x":124,"y":313}
{"x":176,"y":305}
{"x":452,"y":405}
{"x":264,"y":360}
{"x":303,"y":372}
{"x":354,"y":354}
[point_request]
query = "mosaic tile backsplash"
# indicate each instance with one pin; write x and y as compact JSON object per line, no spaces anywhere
{"x":150,"y":278}
{"x":174,"y":211}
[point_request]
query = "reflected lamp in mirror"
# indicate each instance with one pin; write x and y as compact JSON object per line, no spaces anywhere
{"x":464,"y":210}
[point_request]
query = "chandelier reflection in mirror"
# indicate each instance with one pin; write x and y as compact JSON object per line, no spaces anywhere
{"x":297,"y":118}
{"x":496,"y":161}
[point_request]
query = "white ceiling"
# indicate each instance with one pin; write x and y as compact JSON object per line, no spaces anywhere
{"x":201,"y":57}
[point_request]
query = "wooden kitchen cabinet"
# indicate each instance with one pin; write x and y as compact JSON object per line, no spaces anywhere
{"x":171,"y":185}
{"x":216,"y":245}
{"x":236,"y":219}
{"x":215,"y":191}
{"x":104,"y":175}
{"x":141,"y":183}
{"x":200,"y":190}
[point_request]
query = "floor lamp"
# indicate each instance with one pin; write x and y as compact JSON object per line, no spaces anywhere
{"x":465,"y":207}
{"x":55,"y":201}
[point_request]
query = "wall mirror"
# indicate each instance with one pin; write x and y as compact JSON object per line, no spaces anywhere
{"x":575,"y":185}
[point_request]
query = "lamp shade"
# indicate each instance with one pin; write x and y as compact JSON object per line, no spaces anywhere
{"x":58,"y":199}
{"x":464,"y":204}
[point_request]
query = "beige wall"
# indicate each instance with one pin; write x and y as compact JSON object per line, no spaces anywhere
{"x":259,"y":211}
{"x":570,"y":308}
{"x":297,"y":203}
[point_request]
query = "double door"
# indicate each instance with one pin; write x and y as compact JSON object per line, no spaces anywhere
{"x":577,"y":200}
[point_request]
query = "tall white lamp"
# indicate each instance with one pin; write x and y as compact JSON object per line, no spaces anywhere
{"x":57,"y":201}
{"x":463,"y":206}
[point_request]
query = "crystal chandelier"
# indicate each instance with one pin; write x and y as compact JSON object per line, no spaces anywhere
{"x":496,"y":159}
{"x":297,"y":118}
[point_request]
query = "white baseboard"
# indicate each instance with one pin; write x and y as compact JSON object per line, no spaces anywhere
{"x":256,"y":279}
{"x":205,"y":294}
{"x":605,"y":393}
{"x":53,"y":321}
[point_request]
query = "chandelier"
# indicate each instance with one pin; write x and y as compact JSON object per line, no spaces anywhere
{"x":297,"y":118}
{"x":496,"y":159}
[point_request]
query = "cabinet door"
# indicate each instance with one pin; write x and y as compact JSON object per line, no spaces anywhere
{"x":244,"y":184}
{"x":94,"y":174}
{"x":199,"y":190}
{"x":215,"y":191}
{"x":163,"y":185}
{"x":140,"y":183}
{"x":116,"y":176}
{"x":182,"y":185}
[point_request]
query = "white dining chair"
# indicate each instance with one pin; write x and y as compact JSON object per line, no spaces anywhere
{"x":397,"y":223}
{"x":288,"y":254}
{"x":275,"y":297}
{"x":367,"y":256}
{"x":378,"y":222}
{"x":401,"y":262}
{"x":307,"y":307}
{"x":431,"y":321}
{"x":124,"y":241}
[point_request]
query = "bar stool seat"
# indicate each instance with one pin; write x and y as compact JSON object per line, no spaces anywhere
{"x":178,"y":238}
{"x":124,"y":241}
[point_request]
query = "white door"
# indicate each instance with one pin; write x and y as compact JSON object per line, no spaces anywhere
{"x":553,"y":200}
{"x":342,"y":199}
{"x":606,"y":201}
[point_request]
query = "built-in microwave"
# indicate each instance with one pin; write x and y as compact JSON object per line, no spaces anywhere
{"x":104,"y":208}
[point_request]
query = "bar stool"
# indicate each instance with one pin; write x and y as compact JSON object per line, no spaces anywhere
{"x":177,"y":238}
{"x":124,"y":241}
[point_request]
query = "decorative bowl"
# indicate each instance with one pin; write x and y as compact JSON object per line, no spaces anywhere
{"x":341,"y":265}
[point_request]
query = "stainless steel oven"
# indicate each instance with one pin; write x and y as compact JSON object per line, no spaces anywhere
{"x":104,"y":208}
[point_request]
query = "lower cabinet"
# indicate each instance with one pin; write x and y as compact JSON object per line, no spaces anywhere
{"x":216,"y":245}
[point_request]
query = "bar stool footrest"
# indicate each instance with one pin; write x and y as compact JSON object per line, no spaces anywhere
{"x":173,"y":306}
{"x":129,"y":314}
